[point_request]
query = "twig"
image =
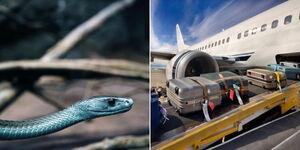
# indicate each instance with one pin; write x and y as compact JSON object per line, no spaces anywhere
{"x":47,"y":99}
{"x":84,"y":29}
{"x":8,"y":95}
{"x":124,"y":142}
{"x":71,"y":68}
{"x":18,"y":19}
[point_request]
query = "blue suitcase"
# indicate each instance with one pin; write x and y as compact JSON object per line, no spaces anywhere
{"x":273,"y":67}
{"x":291,"y":72}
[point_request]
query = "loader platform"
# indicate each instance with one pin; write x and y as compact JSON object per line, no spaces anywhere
{"x":192,"y":131}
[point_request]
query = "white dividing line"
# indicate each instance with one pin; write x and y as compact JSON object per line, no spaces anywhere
{"x":286,"y":140}
{"x":297,"y":110}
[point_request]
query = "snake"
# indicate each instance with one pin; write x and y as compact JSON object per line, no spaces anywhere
{"x":86,"y":109}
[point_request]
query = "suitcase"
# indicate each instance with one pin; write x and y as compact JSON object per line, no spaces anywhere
{"x":290,"y":64}
{"x":292,"y":73}
{"x":226,"y":80}
{"x":266,"y":78}
{"x":188,"y":94}
{"x":273,"y":67}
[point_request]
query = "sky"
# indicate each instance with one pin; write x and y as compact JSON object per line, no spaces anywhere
{"x":199,"y":19}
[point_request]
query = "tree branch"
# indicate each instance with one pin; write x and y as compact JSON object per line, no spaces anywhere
{"x":58,"y":105}
{"x":8,"y":94}
{"x":18,"y":19}
{"x":71,"y":68}
{"x":124,"y":142}
{"x":84,"y":29}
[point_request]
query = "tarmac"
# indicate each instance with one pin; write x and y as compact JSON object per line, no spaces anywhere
{"x":282,"y":133}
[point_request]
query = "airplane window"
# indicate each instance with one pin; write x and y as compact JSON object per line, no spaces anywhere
{"x":202,"y":47}
{"x":246,"y":33}
{"x":288,"y":19}
{"x":208,"y":45}
{"x":216,"y":43}
{"x":212,"y":45}
{"x":205,"y":46}
{"x":274,"y":24}
{"x":254,"y":30}
{"x":263,"y":28}
{"x":239,"y":36}
{"x":219,"y":42}
{"x":223,"y":41}
{"x":227,"y":39}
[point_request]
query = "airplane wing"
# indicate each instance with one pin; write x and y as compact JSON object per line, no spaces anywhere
{"x":222,"y":60}
{"x":162,"y":55}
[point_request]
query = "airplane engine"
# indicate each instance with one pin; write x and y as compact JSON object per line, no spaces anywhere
{"x":190,"y":63}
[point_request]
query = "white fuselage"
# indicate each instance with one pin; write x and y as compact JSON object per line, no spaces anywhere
{"x":261,"y":46}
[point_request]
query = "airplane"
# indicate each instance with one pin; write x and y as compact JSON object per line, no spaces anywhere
{"x":267,"y":38}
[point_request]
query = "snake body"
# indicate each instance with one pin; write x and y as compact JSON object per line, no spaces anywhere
{"x":83,"y":110}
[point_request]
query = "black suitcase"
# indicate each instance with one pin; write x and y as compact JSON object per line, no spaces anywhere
{"x":227,"y":80}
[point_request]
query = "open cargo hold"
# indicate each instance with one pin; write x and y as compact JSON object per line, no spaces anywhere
{"x":266,"y":78}
{"x":292,"y":73}
{"x":188,"y":94}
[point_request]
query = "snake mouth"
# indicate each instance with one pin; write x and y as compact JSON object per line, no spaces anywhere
{"x":113,"y":111}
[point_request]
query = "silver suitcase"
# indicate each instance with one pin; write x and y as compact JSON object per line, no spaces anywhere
{"x":188,"y":94}
{"x":290,"y":64}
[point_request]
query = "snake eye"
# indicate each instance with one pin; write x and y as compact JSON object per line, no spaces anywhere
{"x":111,"y":102}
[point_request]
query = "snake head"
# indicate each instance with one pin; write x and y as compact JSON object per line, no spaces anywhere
{"x":103,"y":105}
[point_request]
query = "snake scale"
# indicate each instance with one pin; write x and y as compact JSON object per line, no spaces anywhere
{"x":86,"y":109}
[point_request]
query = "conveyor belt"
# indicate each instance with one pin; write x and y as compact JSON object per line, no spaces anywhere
{"x":180,"y":123}
{"x":266,"y":136}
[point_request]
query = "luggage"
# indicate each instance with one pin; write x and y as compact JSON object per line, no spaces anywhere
{"x":290,"y":64}
{"x":273,"y":67}
{"x":155,"y":114}
{"x":158,"y":113}
{"x":292,"y":73}
{"x":227,"y":80}
{"x":188,"y":94}
{"x":266,"y":78}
